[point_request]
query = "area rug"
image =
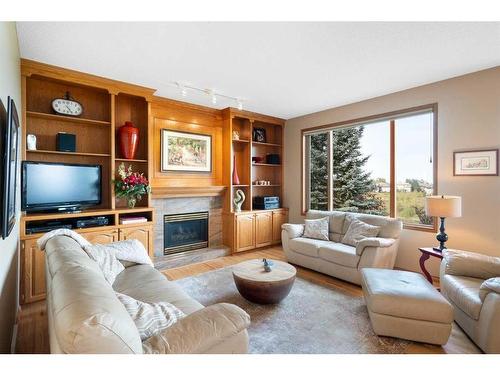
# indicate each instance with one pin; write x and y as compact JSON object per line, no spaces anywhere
{"x":312,"y":319}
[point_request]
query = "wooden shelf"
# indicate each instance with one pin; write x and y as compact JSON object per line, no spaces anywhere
{"x":272,"y":185}
{"x":67,"y":153}
{"x":241,"y":140}
{"x":265,"y":165}
{"x":75,"y":120}
{"x":266,"y":144}
{"x":241,"y":185}
{"x":131,"y":160}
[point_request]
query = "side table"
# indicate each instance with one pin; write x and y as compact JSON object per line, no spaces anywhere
{"x":428,"y":252}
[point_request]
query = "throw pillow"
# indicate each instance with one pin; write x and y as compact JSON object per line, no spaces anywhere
{"x":317,"y":228}
{"x":150,"y":318}
{"x":357,"y":231}
{"x":106,"y":260}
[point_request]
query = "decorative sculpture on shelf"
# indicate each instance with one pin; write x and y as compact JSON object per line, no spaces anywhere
{"x":239,"y":198}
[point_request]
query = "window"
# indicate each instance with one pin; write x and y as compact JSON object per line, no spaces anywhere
{"x":384,"y":166}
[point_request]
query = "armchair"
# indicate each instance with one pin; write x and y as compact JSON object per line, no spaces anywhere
{"x":335,"y":258}
{"x":471,"y":283}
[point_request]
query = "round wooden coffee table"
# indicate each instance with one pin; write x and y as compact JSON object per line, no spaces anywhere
{"x":259,"y":286}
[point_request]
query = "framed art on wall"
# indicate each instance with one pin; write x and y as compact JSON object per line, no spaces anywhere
{"x":475,"y":163}
{"x":10,"y":156}
{"x":185,"y":152}
{"x":3,"y":150}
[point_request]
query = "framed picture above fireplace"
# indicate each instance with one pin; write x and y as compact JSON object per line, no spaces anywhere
{"x":185,"y":152}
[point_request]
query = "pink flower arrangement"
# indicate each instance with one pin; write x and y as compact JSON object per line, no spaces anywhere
{"x":131,"y":185}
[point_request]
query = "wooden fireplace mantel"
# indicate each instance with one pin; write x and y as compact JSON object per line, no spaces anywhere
{"x":182,"y":191}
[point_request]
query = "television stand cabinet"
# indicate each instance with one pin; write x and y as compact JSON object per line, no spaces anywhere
{"x":32,"y":287}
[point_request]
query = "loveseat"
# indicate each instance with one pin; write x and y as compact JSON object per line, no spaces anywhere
{"x":85,"y":315}
{"x":471,"y":283}
{"x":336,"y":259}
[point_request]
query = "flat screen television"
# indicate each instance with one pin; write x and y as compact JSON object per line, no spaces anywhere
{"x":59,"y":186}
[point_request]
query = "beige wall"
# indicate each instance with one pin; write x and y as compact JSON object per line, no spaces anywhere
{"x":468,"y":118}
{"x":10,"y":85}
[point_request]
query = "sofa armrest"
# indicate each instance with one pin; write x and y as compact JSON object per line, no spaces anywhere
{"x":373,"y":242}
{"x":293,"y":230}
{"x":198,"y":332}
{"x":464,"y":263}
{"x":489,"y":286}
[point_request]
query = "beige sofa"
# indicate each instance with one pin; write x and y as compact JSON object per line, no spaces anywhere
{"x":85,"y":316}
{"x":461,"y":276}
{"x":335,"y":258}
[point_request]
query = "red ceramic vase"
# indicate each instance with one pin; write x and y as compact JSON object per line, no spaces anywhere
{"x":128,"y":135}
{"x":236,"y":179}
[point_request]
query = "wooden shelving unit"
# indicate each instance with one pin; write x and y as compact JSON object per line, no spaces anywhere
{"x":66,"y":153}
{"x":75,"y":120}
{"x":252,"y":228}
{"x":107,"y":104}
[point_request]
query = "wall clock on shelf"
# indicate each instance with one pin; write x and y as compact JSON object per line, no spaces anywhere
{"x":67,"y":106}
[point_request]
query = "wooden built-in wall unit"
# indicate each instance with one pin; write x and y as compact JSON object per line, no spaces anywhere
{"x":252,"y":228}
{"x":107,"y":105}
{"x":188,"y":118}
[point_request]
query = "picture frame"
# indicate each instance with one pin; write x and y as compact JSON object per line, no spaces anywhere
{"x":185,"y":152}
{"x":10,"y":164}
{"x":259,"y":135}
{"x":3,"y":150}
{"x":475,"y":163}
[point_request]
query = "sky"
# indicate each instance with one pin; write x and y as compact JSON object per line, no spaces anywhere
{"x":413,"y":148}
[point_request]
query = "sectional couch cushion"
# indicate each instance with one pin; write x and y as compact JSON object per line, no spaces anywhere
{"x":339,"y":253}
{"x":306,"y":246}
{"x":144,"y":283}
{"x":464,"y":263}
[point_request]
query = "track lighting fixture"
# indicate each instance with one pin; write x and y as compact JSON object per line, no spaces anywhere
{"x":182,"y":88}
{"x":210,"y":93}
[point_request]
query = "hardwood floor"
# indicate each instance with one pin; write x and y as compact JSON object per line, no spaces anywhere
{"x":33,"y":335}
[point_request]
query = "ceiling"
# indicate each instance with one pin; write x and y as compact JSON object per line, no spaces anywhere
{"x":281,"y":69}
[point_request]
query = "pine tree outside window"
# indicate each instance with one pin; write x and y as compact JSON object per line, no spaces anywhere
{"x":383,"y":166}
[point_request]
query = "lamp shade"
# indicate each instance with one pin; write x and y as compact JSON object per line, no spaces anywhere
{"x":443,"y":206}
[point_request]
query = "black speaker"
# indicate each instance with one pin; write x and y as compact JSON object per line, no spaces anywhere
{"x":272,"y":158}
{"x":66,"y":142}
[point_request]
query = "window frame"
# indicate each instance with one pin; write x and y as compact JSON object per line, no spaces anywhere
{"x":388,"y":116}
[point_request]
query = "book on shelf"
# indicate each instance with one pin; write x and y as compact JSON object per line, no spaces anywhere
{"x":133,"y":220}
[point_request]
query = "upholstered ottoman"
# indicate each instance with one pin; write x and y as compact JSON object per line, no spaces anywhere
{"x":405,"y":305}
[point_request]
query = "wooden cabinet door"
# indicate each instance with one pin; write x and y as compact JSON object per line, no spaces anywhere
{"x":143,"y":234}
{"x":263,"y":229}
{"x":102,"y":237}
{"x":279,"y":218}
{"x":245,"y":232}
{"x":33,"y":272}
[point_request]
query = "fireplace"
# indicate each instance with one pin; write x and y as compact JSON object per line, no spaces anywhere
{"x":183,"y":232}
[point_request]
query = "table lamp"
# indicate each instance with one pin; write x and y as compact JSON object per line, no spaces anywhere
{"x":443,"y":206}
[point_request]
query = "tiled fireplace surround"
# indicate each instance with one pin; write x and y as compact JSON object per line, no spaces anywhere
{"x":166,"y":206}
